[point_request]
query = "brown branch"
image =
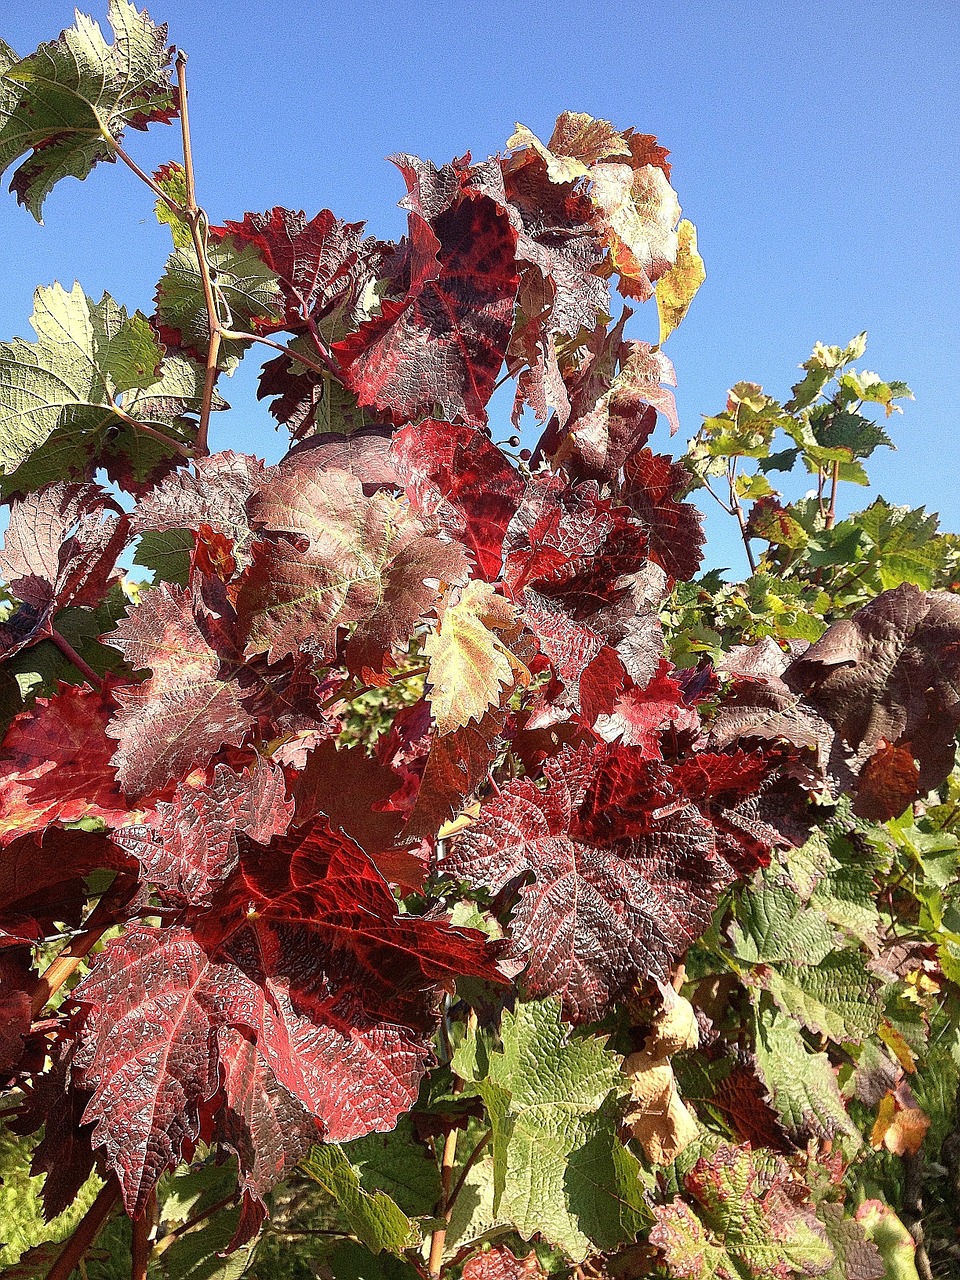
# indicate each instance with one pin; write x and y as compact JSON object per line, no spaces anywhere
{"x":240,"y":335}
{"x":831,"y":516}
{"x":131,"y":164}
{"x":68,"y":651}
{"x":140,"y":1245}
{"x":173,"y":1236}
{"x":70,"y":1256}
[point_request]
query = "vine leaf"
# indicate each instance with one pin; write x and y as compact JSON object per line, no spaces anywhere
{"x":187,"y":709}
{"x":470,"y":663}
{"x":65,"y":103}
{"x":359,"y":560}
{"x":190,"y":846}
{"x":443,"y":342}
{"x":614,"y":897}
{"x":56,"y":764}
{"x":678,"y":288}
{"x":61,"y":397}
{"x":323,"y":266}
{"x":248,"y":291}
{"x":58,"y":551}
{"x":891,"y":675}
{"x":559,"y":1167}
{"x":304,"y":953}
{"x":743,"y":1220}
{"x":374,"y":1217}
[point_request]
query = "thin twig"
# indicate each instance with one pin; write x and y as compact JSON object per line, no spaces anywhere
{"x":472,"y":1159}
{"x":831,"y":515}
{"x":147,"y":430}
{"x":322,"y":349}
{"x":83,"y":1237}
{"x":194,"y":216}
{"x":68,"y":651}
{"x":70,"y":958}
{"x":173,"y":1236}
{"x":240,"y":335}
{"x":445,"y":1206}
{"x":131,"y":164}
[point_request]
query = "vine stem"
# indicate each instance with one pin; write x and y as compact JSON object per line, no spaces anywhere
{"x":71,"y":1255}
{"x":831,"y":516}
{"x":439,"y":1237}
{"x":737,"y":510}
{"x":131,"y":164}
{"x":194,"y":216}
{"x":173,"y":1236}
{"x":70,"y":958}
{"x":242,"y":336}
{"x":140,"y":1246}
{"x":68,"y":651}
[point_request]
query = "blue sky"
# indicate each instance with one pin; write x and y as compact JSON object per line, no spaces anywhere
{"x":816,"y":146}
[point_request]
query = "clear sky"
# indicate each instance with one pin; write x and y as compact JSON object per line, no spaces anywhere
{"x":816,"y":146}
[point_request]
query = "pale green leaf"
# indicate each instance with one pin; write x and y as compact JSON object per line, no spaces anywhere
{"x":374,"y":1218}
{"x":67,"y":103}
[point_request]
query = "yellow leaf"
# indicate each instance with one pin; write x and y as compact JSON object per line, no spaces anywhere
{"x":677,"y":289}
{"x":470,"y":666}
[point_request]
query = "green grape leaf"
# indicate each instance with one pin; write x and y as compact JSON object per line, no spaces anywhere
{"x":746,"y":1220}
{"x":374,"y":1218}
{"x":68,"y":104}
{"x":835,"y":998}
{"x":559,"y":1167}
{"x":400,"y":1166}
{"x":71,"y":401}
{"x":904,"y":543}
{"x":802,"y":1087}
{"x":247,"y":290}
{"x":167,"y":553}
{"x":820,"y":368}
{"x":773,"y":925}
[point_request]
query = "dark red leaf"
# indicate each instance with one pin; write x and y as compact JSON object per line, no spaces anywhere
{"x":454,"y":473}
{"x":609,"y":903}
{"x":444,"y":341}
{"x":60,"y":549}
{"x":323,"y":265}
{"x":55,"y":764}
{"x":304,"y":952}
{"x":357,"y":560}
{"x":674,"y":529}
{"x":890,"y":672}
{"x":189,"y":846}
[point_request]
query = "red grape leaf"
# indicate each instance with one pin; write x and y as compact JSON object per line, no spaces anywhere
{"x":186,"y":710}
{"x":609,"y":904}
{"x":56,"y":764}
{"x":674,"y":529}
{"x":189,"y":846}
{"x":567,"y":542}
{"x":442,"y":343}
{"x":58,"y":551}
{"x":215,"y":494}
{"x":455,"y":766}
{"x":454,"y":473}
{"x":744,"y":1219}
{"x":641,"y":713}
{"x":500,"y":1263}
{"x":359,"y":560}
{"x":322,"y":265}
{"x":890,"y":672}
{"x":42,"y":882}
{"x":366,"y":454}
{"x":352,"y":790}
{"x":266,"y":1126}
{"x":304,"y":951}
